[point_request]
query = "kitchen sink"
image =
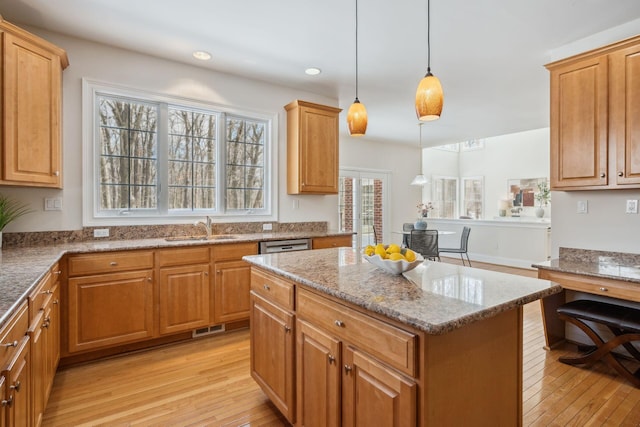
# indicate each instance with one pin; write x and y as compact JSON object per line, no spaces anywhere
{"x":191,"y":238}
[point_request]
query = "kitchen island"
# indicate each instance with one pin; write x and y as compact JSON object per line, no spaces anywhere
{"x":336,"y":341}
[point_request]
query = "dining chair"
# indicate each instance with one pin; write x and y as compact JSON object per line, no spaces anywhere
{"x":464,"y":244}
{"x":407,"y":226}
{"x":425,"y":242}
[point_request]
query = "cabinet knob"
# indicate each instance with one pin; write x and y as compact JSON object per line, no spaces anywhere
{"x":55,"y":301}
{"x":347,"y":368}
{"x":56,"y":173}
{"x":47,"y":292}
{"x":57,"y":272}
{"x":602,"y":175}
{"x":206,"y":273}
{"x":10,"y":344}
{"x":149,"y":279}
{"x":332,"y":359}
{"x":339,"y":323}
{"x":16,"y":386}
{"x":620,"y":173}
{"x":287,"y":328}
{"x":113,"y":263}
{"x":7,"y":403}
{"x":266,"y":287}
{"x":603,"y":289}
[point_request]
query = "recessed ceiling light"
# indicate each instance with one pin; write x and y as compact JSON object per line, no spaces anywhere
{"x":313,"y":71}
{"x":202,"y":55}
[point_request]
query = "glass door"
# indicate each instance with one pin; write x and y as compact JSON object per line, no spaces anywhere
{"x":362,"y":206}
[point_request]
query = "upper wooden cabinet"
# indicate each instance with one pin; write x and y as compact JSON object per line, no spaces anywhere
{"x":595,"y":119}
{"x":312,"y":148}
{"x":31,"y":149}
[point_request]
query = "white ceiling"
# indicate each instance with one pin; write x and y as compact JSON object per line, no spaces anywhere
{"x":488,"y":54}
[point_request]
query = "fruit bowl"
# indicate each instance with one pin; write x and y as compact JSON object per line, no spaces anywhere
{"x":394,"y":267}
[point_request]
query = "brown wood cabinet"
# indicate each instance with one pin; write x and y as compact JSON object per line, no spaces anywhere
{"x":595,"y":129}
{"x":232,"y":282}
{"x":15,"y":370}
{"x":106,"y":309}
{"x":332,"y":242}
{"x":31,"y":109}
{"x":312,"y":148}
{"x":272,"y":338}
{"x":183,"y":289}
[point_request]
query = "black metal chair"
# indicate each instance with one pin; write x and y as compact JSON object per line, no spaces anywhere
{"x":425,"y":242}
{"x":407,"y":226}
{"x":464,"y":244}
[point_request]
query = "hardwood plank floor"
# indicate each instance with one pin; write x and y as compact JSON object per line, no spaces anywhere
{"x":206,"y":382}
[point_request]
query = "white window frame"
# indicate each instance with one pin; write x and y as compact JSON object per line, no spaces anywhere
{"x":456,"y":208}
{"x":463,"y":195}
{"x":90,"y":185}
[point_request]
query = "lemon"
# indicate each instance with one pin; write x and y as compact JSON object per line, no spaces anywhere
{"x":381,"y":251}
{"x":369,"y":250}
{"x":410,"y":255}
{"x":396,"y":256}
{"x":393,"y":249}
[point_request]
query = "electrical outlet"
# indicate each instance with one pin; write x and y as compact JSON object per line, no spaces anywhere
{"x":583,"y":206}
{"x":101,"y":232}
{"x":53,"y":204}
{"x":632,"y":207}
{"x":267,"y":227}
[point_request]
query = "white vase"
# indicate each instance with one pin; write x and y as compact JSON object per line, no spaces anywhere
{"x":540,"y":212}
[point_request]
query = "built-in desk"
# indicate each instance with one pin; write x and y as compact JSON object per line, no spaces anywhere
{"x":587,"y":274}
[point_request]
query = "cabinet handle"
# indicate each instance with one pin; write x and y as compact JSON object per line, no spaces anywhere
{"x":339,"y":323}
{"x":11,"y":344}
{"x":347,"y":368}
{"x":57,"y":272}
{"x":57,"y":173}
{"x":8,"y":402}
{"x":604,"y":289}
{"x":266,"y":287}
{"x":55,"y":301}
{"x":620,"y":173}
{"x":113,"y":263}
{"x":332,"y":359}
{"x":602,"y":175}
{"x":16,"y":386}
{"x":47,"y":292}
{"x":287,"y":328}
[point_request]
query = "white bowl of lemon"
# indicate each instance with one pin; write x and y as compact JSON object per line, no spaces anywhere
{"x":392,"y":258}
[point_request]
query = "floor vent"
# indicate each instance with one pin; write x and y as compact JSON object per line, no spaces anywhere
{"x":207,"y":331}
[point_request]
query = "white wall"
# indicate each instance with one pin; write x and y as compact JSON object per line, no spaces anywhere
{"x":513,"y":156}
{"x":113,"y":65}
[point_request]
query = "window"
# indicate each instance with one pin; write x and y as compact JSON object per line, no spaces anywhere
{"x":472,"y":196}
{"x":444,"y":193}
{"x":472,"y":144}
{"x":160,"y":157}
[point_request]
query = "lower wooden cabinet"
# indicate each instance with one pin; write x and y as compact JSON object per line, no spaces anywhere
{"x":332,"y":242}
{"x":231,"y":291}
{"x":110,"y":309}
{"x":18,"y":376}
{"x":272,"y":353}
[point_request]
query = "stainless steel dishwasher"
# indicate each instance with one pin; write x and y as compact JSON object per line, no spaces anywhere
{"x":275,"y":246}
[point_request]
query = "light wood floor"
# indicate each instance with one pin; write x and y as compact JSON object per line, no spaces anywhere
{"x":206,"y":382}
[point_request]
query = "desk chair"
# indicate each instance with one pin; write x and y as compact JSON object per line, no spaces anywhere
{"x":425,"y":242}
{"x":407,"y":226}
{"x":464,"y":243}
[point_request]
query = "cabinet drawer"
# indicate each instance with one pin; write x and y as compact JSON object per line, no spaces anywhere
{"x":12,"y":333}
{"x":272,"y":288}
{"x":331,"y":242}
{"x":82,"y":265}
{"x":384,"y":341}
{"x":38,"y":296}
{"x":593,"y":285}
{"x":233,"y":251}
{"x":182,"y":256}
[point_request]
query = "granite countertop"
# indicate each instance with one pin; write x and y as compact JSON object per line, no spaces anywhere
{"x":434,"y":297}
{"x":22,"y":268}
{"x":602,"y":264}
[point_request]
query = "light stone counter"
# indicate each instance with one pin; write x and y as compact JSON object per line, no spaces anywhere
{"x":435,"y":297}
{"x":22,"y":268}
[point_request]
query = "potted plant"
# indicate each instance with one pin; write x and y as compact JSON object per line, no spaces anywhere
{"x":10,"y":210}
{"x":423,"y":212}
{"x":543,"y":196}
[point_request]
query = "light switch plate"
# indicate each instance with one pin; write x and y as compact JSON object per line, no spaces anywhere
{"x":267,"y":227}
{"x":632,"y":207}
{"x":583,"y":206}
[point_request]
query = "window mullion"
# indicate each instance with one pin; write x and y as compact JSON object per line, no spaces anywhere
{"x":221,"y":164}
{"x":163,"y":158}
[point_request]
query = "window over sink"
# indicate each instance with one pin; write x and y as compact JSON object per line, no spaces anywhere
{"x":155,"y":157}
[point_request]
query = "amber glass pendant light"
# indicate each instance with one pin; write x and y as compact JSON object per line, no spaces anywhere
{"x":357,"y":114}
{"x":429,"y":96}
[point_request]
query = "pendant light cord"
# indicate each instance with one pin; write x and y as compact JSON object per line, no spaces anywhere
{"x":428,"y":36}
{"x":357,"y":50}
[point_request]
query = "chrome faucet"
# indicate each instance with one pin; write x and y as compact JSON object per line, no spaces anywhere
{"x":208,"y":225}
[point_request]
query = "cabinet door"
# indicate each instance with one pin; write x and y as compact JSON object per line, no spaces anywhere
{"x":625,"y":114}
{"x":579,"y":130}
{"x":332,"y":242}
{"x":184,"y":298}
{"x":110,"y":309}
{"x":373,"y":394}
{"x":272,"y":353}
{"x":318,"y":377}
{"x":231,"y":291}
{"x":19,"y":380}
{"x":4,"y":403}
{"x":318,"y":151}
{"x":31,"y":104}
